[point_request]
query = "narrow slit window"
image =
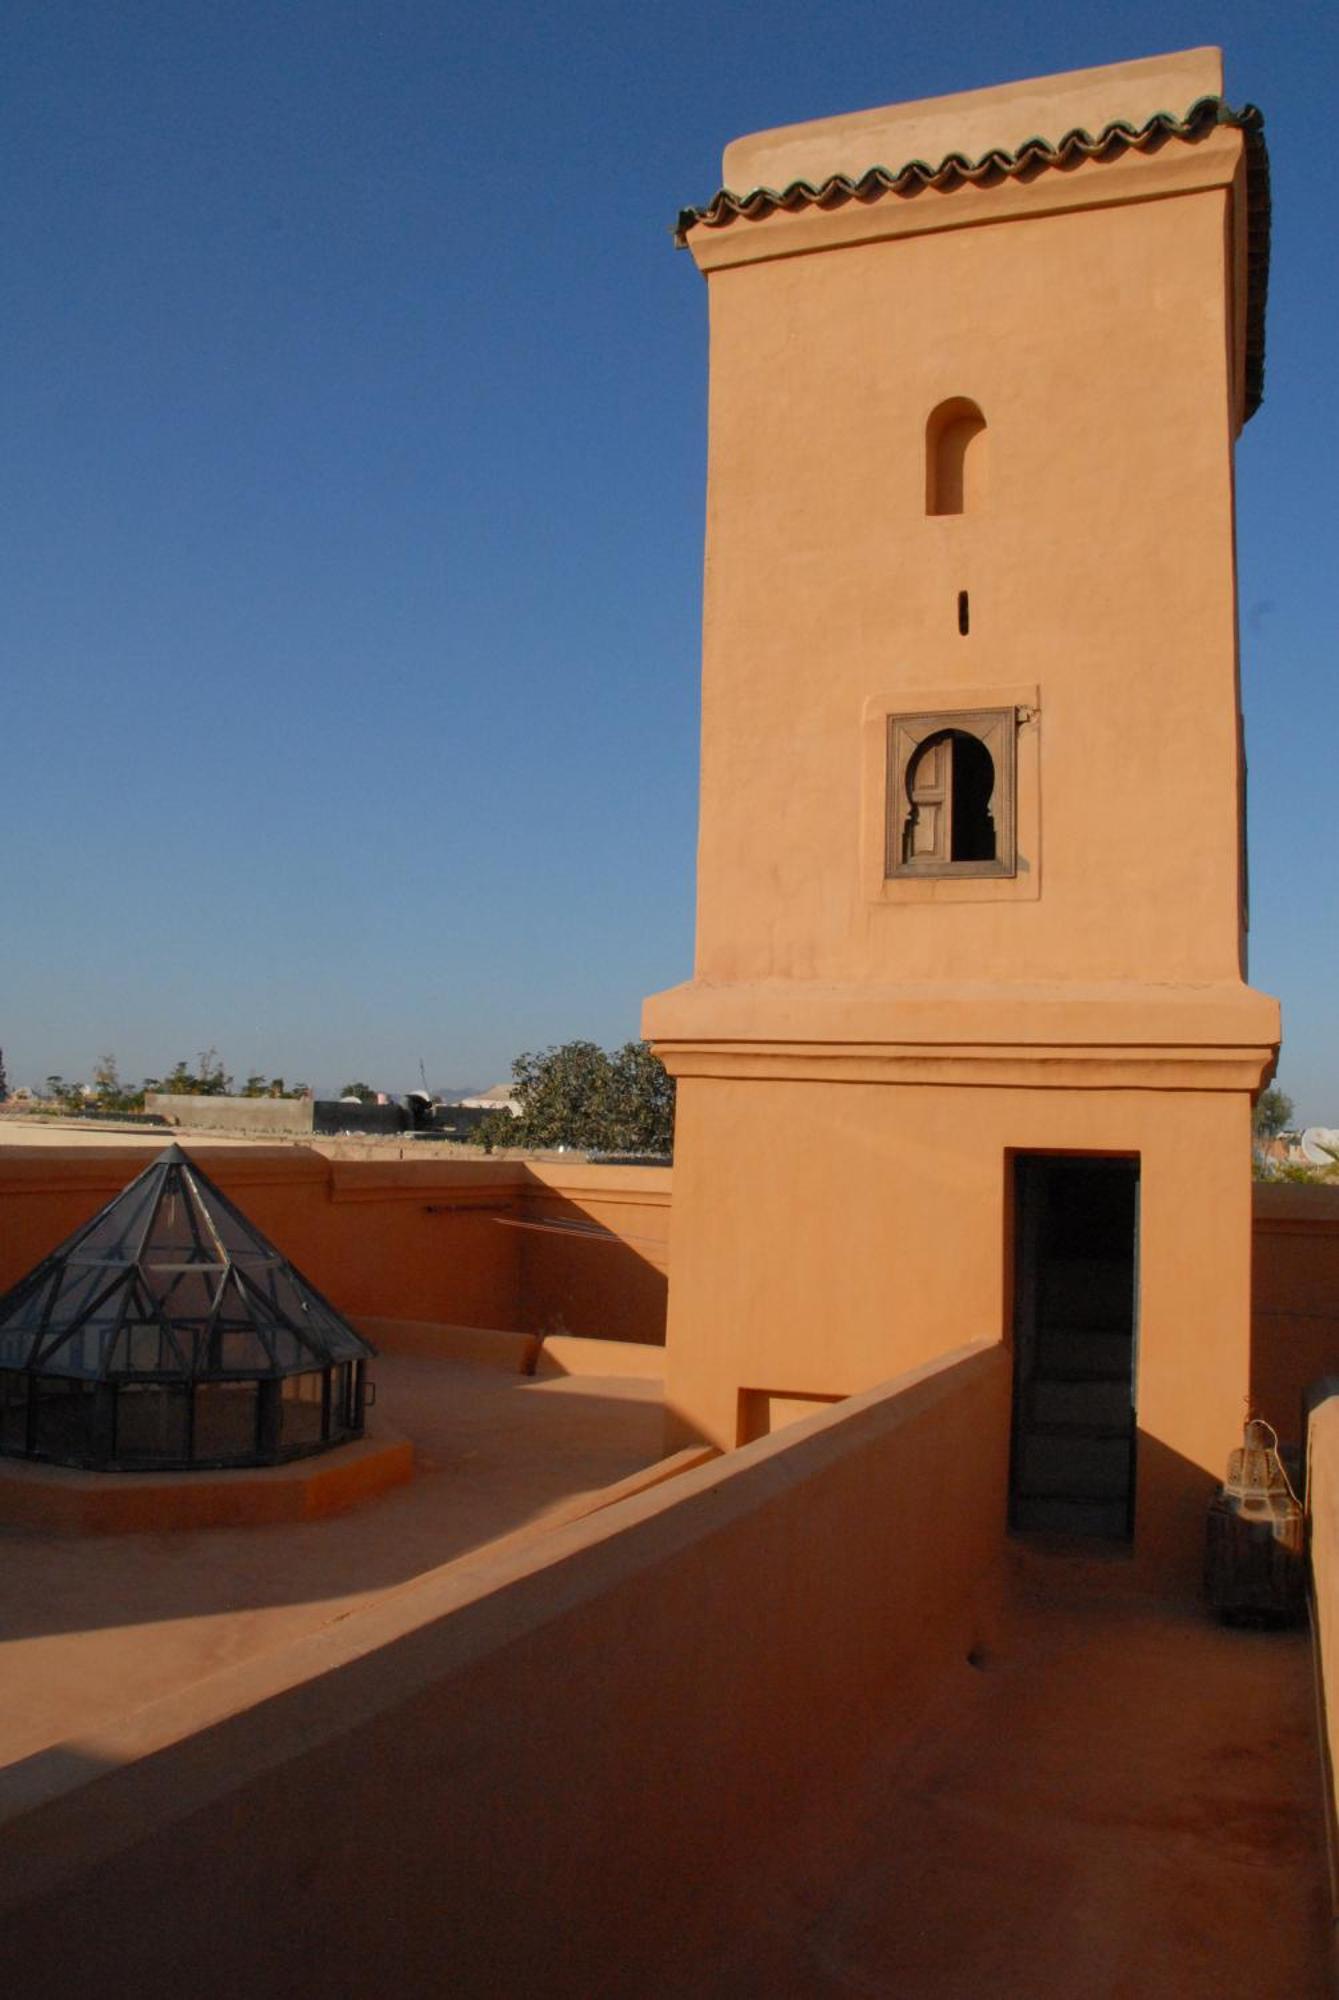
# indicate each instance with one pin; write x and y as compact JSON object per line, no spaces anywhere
{"x":964,"y":613}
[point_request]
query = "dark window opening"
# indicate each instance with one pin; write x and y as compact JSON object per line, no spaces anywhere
{"x":964,"y":614}
{"x":973,"y":829}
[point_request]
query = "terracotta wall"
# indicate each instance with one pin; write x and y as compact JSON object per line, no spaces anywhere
{"x":554,"y":1775}
{"x":826,"y":1238}
{"x":1295,"y":1298}
{"x":425,"y":1240}
{"x":410,"y":1240}
{"x":595,"y":1253}
{"x":861,"y":1049}
{"x":1067,"y":622}
{"x":1323,"y":1505}
{"x":421,"y":1240}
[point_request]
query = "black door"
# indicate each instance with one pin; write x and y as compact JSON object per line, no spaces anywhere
{"x":1076,"y":1233}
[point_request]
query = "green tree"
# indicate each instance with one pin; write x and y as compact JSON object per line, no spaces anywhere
{"x":496,"y":1128}
{"x":641,"y":1102}
{"x":362,"y":1091}
{"x":69,"y":1096}
{"x":1273,"y":1113}
{"x":111,"y":1094}
{"x":207,"y":1079}
{"x":579,"y":1095}
{"x":564,"y":1096}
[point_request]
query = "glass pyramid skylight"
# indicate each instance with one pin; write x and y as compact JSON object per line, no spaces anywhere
{"x":170,"y":1331}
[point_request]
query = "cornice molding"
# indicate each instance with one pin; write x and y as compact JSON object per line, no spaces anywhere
{"x":1048,"y":174}
{"x":1035,"y":1066}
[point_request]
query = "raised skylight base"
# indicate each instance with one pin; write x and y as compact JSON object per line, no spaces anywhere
{"x":59,"y":1499}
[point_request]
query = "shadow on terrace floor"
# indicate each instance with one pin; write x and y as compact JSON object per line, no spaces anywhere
{"x":1122,"y":1799}
{"x":91,"y":1627}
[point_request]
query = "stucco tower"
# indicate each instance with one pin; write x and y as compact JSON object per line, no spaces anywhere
{"x":968,"y":1051}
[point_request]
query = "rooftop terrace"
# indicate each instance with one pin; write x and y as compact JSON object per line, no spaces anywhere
{"x":797,"y":1719}
{"x":92,"y":1628}
{"x":1120,"y":1798}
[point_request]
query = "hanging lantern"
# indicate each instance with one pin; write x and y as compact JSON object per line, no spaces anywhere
{"x":1254,"y":1557}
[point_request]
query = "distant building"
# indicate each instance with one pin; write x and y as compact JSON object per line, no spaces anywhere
{"x":498,"y":1098}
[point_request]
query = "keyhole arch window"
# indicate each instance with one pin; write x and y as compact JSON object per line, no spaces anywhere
{"x":951,"y":795}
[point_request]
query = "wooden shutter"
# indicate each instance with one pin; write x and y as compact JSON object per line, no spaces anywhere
{"x":929,"y":784}
{"x":919,"y":798}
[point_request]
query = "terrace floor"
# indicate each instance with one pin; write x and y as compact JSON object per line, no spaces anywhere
{"x":93,"y":1628}
{"x":1124,"y":1800}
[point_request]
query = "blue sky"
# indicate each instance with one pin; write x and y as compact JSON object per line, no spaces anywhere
{"x":354,"y":414}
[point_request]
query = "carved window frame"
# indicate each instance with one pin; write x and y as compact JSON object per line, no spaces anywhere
{"x":996,"y":730}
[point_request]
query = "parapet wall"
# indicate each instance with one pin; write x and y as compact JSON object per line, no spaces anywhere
{"x":1295,"y":1298}
{"x":533,"y":1247}
{"x":259,"y":1117}
{"x":1323,"y":1508}
{"x":584,"y":1283}
{"x":549,"y":1770}
{"x":552,"y":1247}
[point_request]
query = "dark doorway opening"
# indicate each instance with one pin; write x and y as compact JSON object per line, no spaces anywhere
{"x":1076,"y":1271}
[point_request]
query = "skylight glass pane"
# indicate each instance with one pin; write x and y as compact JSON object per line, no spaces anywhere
{"x":64,"y":1420}
{"x":151,"y":1421}
{"x":79,"y":1291}
{"x":303,"y":1397}
{"x":183,"y":1293}
{"x":13,"y":1411}
{"x":117,"y":1231}
{"x":225,"y":1421}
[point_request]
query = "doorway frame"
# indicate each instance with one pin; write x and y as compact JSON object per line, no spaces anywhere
{"x":1019,"y":1278}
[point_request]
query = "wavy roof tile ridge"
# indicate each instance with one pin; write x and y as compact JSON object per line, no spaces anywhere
{"x":998,"y":164}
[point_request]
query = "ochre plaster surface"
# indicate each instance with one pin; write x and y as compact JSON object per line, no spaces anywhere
{"x":92,"y":1629}
{"x":873,"y":1233}
{"x":1295,"y":1298}
{"x":972,"y":121}
{"x":1121,"y":1799}
{"x":787,"y":1725}
{"x":808,"y":1325}
{"x":1077,"y":586}
{"x":859,"y":1059}
{"x":474,"y":1242}
{"x":565,"y":1766}
{"x":61,"y":1500}
{"x":1323,"y":1503}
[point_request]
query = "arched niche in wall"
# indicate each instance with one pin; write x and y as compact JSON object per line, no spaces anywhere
{"x":955,"y":458}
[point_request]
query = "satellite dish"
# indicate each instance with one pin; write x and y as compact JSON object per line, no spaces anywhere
{"x":1320,"y":1145}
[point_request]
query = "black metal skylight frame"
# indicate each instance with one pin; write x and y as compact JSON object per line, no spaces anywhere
{"x":116,"y":1376}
